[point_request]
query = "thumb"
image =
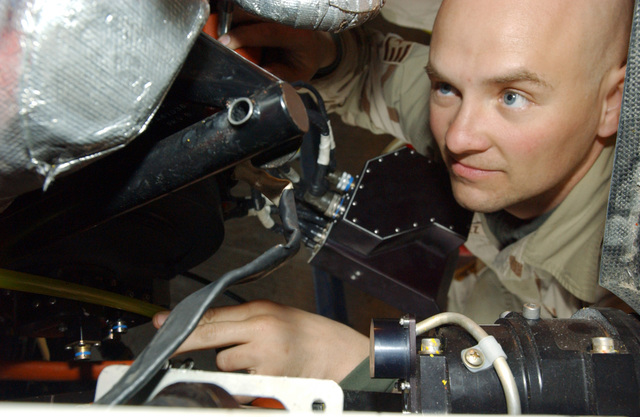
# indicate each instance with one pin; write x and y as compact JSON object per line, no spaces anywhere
{"x":160,"y":318}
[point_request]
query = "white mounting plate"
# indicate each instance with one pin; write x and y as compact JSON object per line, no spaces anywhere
{"x":296,"y":394}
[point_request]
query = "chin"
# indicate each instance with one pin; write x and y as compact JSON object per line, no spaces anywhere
{"x":478,"y":201}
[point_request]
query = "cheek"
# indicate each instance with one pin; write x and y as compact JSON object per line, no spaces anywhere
{"x":438,"y":121}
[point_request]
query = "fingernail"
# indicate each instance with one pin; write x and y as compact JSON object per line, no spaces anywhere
{"x":160,"y":318}
{"x":224,"y":39}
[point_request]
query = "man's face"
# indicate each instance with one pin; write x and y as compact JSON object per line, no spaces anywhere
{"x":514,"y":104}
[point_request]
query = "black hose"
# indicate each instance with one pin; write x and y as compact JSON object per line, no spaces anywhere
{"x":186,"y":315}
{"x":319,"y":121}
{"x":311,"y":216}
{"x":316,"y":93}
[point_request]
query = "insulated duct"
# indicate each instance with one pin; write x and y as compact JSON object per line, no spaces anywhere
{"x":82,"y":78}
{"x":325,"y":15}
{"x":620,"y":262}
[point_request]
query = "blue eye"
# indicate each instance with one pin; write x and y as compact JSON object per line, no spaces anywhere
{"x":512,"y":99}
{"x":445,"y":89}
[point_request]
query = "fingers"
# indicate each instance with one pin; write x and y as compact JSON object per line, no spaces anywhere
{"x":227,"y":326}
{"x":237,"y":358}
{"x":216,"y":335}
{"x":229,"y":313}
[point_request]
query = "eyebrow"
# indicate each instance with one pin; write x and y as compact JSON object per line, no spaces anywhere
{"x":521,"y":75}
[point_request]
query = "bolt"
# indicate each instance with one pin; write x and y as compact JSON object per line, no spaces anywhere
{"x":397,"y":229}
{"x":603,"y":345}
{"x":531,"y":311}
{"x":430,"y":346}
{"x":473,"y":358}
{"x":355,"y":203}
{"x":415,"y":225}
{"x":404,"y":385}
{"x":376,"y":231}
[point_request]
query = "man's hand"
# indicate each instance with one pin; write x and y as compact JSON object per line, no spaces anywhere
{"x":290,"y":54}
{"x":271,"y":339}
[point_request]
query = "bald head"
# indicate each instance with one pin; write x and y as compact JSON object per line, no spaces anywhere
{"x":596,"y":32}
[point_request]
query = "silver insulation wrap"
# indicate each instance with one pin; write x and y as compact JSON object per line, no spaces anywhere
{"x":81,"y":78}
{"x":620,"y":262}
{"x":325,"y":15}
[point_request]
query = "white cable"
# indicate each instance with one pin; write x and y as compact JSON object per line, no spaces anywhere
{"x":326,"y":144}
{"x":501,"y":366}
{"x":264,"y":215}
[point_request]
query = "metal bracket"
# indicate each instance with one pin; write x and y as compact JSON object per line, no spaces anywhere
{"x":296,"y":394}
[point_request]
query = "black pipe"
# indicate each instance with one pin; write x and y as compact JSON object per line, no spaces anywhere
{"x":147,"y":170}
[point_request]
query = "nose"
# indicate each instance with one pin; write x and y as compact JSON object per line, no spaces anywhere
{"x":468,"y":130}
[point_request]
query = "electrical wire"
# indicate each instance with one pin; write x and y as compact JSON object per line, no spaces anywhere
{"x":317,"y":95}
{"x":186,"y":315}
{"x":505,"y":375}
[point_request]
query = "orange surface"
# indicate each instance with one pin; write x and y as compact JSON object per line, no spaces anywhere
{"x":53,"y":371}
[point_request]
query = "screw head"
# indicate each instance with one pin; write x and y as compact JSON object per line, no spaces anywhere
{"x":474,"y":358}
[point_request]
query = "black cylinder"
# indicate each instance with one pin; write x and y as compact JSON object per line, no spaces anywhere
{"x":554,"y":365}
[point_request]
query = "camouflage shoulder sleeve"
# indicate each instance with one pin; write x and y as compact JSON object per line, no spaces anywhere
{"x":381,"y":85}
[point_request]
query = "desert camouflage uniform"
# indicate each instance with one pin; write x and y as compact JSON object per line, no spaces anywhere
{"x":381,"y":85}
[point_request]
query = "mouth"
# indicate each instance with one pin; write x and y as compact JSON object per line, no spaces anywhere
{"x":469,"y":172}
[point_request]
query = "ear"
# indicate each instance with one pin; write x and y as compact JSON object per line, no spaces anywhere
{"x":612,"y":102}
